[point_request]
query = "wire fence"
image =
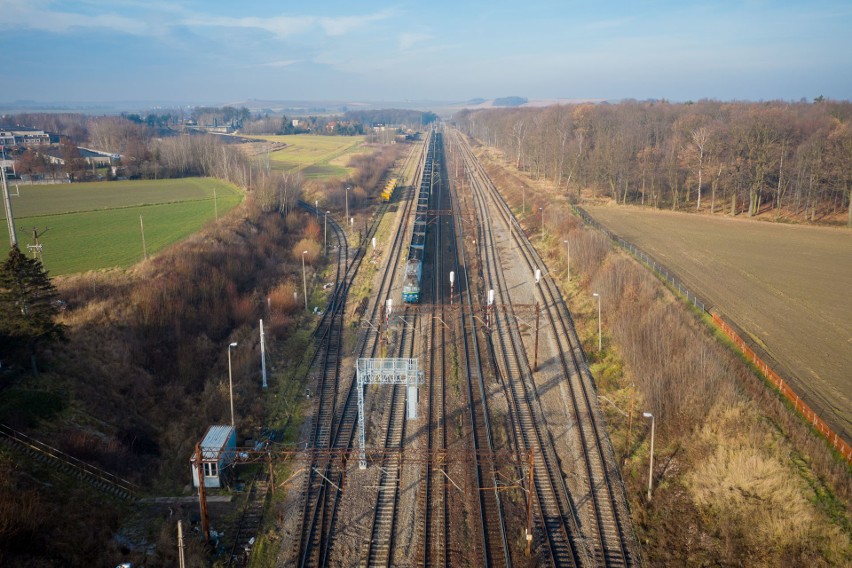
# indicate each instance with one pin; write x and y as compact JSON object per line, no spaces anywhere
{"x":835,"y":440}
{"x":664,"y":273}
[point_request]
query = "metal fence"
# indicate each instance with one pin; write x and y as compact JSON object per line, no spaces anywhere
{"x":800,"y":405}
{"x":777,"y":382}
{"x":642,"y":256}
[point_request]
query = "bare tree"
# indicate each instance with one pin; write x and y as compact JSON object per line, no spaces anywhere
{"x":699,"y":140}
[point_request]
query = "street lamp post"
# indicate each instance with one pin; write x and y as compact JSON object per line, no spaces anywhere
{"x":598,"y":296}
{"x":231,"y":382}
{"x":651,"y":464}
{"x":568,"y":246}
{"x":347,"y":201}
{"x":325,"y":231}
{"x":304,"y":279}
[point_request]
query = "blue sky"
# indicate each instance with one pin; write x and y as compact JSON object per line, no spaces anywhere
{"x":217,"y":52}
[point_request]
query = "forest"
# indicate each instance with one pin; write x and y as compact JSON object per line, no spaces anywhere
{"x":791,"y":160}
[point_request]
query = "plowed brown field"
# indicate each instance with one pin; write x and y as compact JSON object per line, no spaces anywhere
{"x":789,"y":287}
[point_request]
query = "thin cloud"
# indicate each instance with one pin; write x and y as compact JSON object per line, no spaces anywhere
{"x":343,"y":25}
{"x":38,"y":15}
{"x":282,"y":63}
{"x":608,"y":24}
{"x":407,"y":40}
{"x":279,"y":26}
{"x":43,"y":15}
{"x":283,"y":27}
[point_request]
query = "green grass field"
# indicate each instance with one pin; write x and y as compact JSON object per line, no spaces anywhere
{"x":91,"y":226}
{"x":313,"y":155}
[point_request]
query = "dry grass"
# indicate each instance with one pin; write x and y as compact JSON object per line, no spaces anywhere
{"x":747,"y":490}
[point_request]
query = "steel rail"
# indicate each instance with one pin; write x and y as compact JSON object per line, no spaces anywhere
{"x":562,"y":534}
{"x":320,"y":508}
{"x":318,"y":514}
{"x":492,"y":523}
{"x":610,"y":542}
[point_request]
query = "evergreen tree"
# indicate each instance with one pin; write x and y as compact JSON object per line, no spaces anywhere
{"x":27,"y":307}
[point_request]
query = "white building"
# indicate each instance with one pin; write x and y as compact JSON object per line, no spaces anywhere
{"x":218,"y":449}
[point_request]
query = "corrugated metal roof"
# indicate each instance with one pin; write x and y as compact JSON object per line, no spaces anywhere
{"x":216,"y":437}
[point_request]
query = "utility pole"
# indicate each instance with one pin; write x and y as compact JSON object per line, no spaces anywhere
{"x":263,"y":354}
{"x":651,"y":460}
{"x":36,"y":246}
{"x":529,"y":535}
{"x":202,"y":496}
{"x":7,"y":205}
{"x":304,"y":279}
{"x":629,"y":424}
{"x":144,"y":246}
{"x":537,"y":312}
{"x":181,"y":546}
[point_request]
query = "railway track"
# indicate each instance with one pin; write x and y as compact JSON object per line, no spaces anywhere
{"x":563,"y":536}
{"x":494,"y":550}
{"x":560,"y":527}
{"x":432,"y":501}
{"x":336,"y":414}
{"x":98,"y":478}
{"x":379,"y":548}
{"x":605,"y":527}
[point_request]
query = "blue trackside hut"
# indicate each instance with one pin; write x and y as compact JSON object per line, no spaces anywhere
{"x":218,"y":449}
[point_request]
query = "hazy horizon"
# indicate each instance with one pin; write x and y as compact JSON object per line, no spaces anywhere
{"x":69,"y":53}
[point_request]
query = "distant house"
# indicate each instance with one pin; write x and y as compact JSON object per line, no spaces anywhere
{"x":7,"y":139}
{"x":218,"y":449}
{"x":54,"y":156}
{"x":24,"y":136}
{"x":98,"y":157}
{"x":220,"y":129}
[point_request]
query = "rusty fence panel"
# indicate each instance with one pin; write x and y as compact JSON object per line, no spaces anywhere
{"x":801,"y":406}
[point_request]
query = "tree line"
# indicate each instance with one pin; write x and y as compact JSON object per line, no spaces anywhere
{"x":403,"y":117}
{"x":793,"y":159}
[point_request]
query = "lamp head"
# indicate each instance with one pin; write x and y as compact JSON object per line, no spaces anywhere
{"x":596,"y":295}
{"x":647,"y":415}
{"x":234,"y":344}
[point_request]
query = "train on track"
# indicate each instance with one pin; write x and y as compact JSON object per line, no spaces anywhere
{"x":390,"y":187}
{"x":414,"y":264}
